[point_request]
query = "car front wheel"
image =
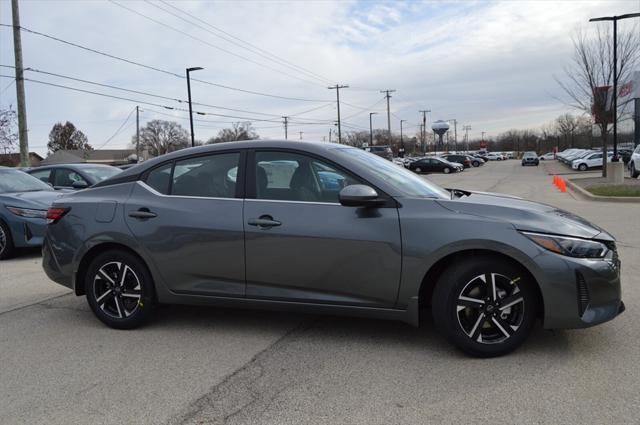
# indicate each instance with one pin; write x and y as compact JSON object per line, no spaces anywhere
{"x":6,"y":242}
{"x":418,"y":170}
{"x":119,"y":289}
{"x":485,"y":306}
{"x":582,"y":167}
{"x":634,"y":172}
{"x":446,"y":170}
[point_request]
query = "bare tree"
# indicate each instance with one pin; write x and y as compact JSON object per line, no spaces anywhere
{"x":8,"y":129}
{"x":67,"y":136}
{"x":592,"y":66}
{"x":238,"y":131}
{"x":160,"y":137}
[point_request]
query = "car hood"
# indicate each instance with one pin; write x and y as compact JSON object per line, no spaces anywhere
{"x":525,"y":215}
{"x":39,"y":200}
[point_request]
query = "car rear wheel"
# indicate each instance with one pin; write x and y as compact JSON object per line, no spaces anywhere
{"x":418,"y":170}
{"x":119,"y":289}
{"x":634,"y":172}
{"x":446,"y":170}
{"x":582,"y":167}
{"x":484,"y":306}
{"x":476,"y":163}
{"x":6,"y":242}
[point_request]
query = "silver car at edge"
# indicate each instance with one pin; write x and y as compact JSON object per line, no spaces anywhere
{"x":325,"y":228}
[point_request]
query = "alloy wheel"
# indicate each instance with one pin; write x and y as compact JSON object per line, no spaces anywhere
{"x":447,"y":170}
{"x":3,"y":240}
{"x":418,"y":170}
{"x":117,"y":290}
{"x":490,"y":308}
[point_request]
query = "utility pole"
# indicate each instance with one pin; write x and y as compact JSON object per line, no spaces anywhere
{"x":466,"y":128}
{"x":424,"y":129}
{"x":301,"y":134}
{"x":22,"y":107}
{"x":371,"y":128}
{"x":137,"y":134}
{"x":337,"y":88}
{"x":286,"y":128}
{"x":388,"y":96}
{"x":483,"y":133}
{"x":455,"y":133}
{"x":401,"y":139}
{"x":329,"y":135}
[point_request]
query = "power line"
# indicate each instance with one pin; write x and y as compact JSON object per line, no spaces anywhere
{"x":242,"y":43}
{"x":137,"y":91}
{"x":229,"y":52}
{"x":136,"y":100}
{"x":164,"y":71}
{"x":118,"y":130}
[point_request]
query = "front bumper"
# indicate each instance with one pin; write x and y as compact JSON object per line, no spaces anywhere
{"x":579,"y":293}
{"x":28,"y":232}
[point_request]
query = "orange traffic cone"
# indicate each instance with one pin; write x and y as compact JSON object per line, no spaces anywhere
{"x":562,"y":186}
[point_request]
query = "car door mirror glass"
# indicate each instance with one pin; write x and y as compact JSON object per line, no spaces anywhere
{"x":79,"y":184}
{"x":360,"y":195}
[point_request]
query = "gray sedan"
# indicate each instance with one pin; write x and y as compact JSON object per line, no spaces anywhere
{"x":325,"y":228}
{"x":73,"y":176}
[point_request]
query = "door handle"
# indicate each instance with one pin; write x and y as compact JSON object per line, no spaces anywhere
{"x":264,"y":222}
{"x":142,"y":214}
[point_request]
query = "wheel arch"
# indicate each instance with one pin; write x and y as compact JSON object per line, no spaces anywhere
{"x":430,"y":279}
{"x":94,"y":251}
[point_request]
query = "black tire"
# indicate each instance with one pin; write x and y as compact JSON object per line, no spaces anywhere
{"x":447,"y":170}
{"x":634,"y":172}
{"x":582,"y":167}
{"x":469,"y":329}
{"x":124,"y":306}
{"x":476,"y":163}
{"x":418,"y":170}
{"x":7,"y":249}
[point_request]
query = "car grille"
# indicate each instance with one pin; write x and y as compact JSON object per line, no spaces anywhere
{"x":583,"y":293}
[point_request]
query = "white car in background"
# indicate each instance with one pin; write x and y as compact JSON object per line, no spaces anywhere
{"x":494,"y":156}
{"x":547,"y":156}
{"x":593,"y":160}
{"x":634,"y":163}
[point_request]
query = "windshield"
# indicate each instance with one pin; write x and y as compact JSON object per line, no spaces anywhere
{"x":404,"y":181}
{"x":101,"y":173}
{"x":18,"y":181}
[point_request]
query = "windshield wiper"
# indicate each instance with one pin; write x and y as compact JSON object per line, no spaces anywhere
{"x":458,"y":192}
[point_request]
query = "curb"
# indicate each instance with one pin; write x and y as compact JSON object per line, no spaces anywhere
{"x":585,"y":194}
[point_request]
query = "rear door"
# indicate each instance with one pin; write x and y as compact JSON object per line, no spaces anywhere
{"x":303,"y":245}
{"x":187,"y":215}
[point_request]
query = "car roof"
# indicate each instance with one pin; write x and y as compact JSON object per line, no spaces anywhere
{"x":73,"y":165}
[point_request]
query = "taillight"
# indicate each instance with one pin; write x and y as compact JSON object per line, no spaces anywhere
{"x":466,"y":162}
{"x":54,"y":214}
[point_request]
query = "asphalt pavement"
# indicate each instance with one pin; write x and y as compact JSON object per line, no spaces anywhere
{"x":59,"y":365}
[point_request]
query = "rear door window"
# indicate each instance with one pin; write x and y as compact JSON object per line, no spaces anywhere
{"x":42,"y":175}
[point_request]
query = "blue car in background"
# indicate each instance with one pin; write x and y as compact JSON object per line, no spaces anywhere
{"x":24,"y":201}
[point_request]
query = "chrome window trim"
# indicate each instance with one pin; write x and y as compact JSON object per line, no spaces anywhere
{"x":155,"y":192}
{"x":293,"y":202}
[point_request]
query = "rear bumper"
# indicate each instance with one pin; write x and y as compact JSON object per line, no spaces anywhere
{"x":52,"y":267}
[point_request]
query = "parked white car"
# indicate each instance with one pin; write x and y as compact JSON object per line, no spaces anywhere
{"x":494,"y":156}
{"x":547,"y":156}
{"x":634,"y":163}
{"x":593,"y":160}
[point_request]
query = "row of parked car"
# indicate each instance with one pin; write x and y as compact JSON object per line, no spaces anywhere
{"x":25,"y":196}
{"x":586,"y":159}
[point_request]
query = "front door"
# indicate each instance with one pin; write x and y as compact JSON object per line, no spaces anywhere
{"x":187,"y":216}
{"x":302,"y":245}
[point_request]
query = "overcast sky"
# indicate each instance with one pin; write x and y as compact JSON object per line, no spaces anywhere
{"x":487,"y":64}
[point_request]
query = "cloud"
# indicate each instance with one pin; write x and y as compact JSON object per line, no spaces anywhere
{"x":490,"y":65}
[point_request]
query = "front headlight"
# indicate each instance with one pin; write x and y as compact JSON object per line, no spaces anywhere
{"x":572,"y":247}
{"x":28,"y":213}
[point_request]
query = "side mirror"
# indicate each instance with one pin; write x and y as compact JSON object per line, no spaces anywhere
{"x":79,"y":185}
{"x":359,"y":195}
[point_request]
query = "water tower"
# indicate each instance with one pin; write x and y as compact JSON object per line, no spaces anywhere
{"x":440,"y":127}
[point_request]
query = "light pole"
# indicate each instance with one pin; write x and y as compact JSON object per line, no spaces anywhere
{"x":401,"y":139}
{"x":371,"y":128}
{"x":195,"y":68}
{"x":615,"y":20}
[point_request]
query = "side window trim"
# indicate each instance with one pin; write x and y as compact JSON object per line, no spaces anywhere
{"x":251,"y":191}
{"x":240,"y":180}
